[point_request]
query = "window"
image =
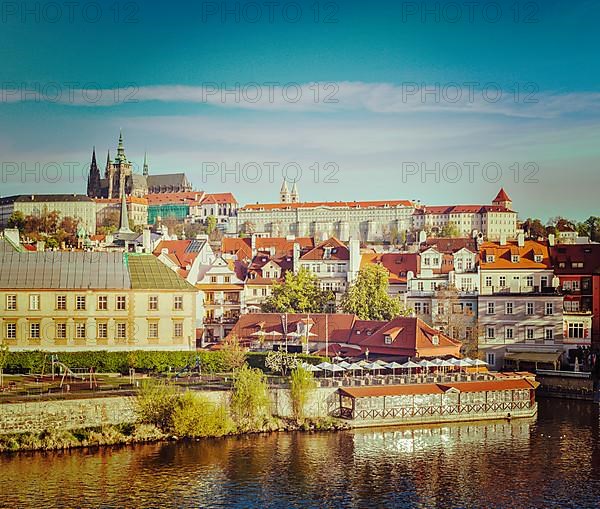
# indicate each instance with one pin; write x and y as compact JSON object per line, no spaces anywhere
{"x":34,"y":302}
{"x":426,"y":310}
{"x":11,"y":302}
{"x":61,"y":330}
{"x":576,"y":286}
{"x":153,"y":330}
{"x":529,"y":333}
{"x":213,"y":279}
{"x":228,"y":279}
{"x":529,"y":309}
{"x":509,"y":308}
{"x":103,"y":303}
{"x":178,"y":329}
{"x":544,"y":281}
{"x":418,"y":308}
{"x":469,"y":307}
{"x":420,"y":286}
{"x":572,"y":305}
{"x":529,"y":281}
{"x":61,"y":302}
{"x":80,"y":303}
{"x":441,"y":309}
{"x":538,"y":258}
{"x":488,"y":280}
{"x":178,"y":302}
{"x":490,"y":258}
{"x":102,"y":330}
{"x":566,"y":285}
{"x":153,"y":303}
{"x":34,"y":330}
{"x":490,"y":308}
{"x":577,"y":265}
{"x":80,"y":330}
{"x":490,"y":333}
{"x":469,"y":264}
{"x":549,"y":309}
{"x":121,"y":302}
{"x":388,"y":340}
{"x":502,"y":281}
{"x":509,"y":333}
{"x":515,"y":258}
{"x":11,"y":330}
{"x":548,"y":333}
{"x":576,"y":330}
{"x":121,"y":330}
{"x":491,"y":359}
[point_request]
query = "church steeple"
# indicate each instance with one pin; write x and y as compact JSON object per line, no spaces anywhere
{"x":120,"y":149}
{"x":284,"y":193}
{"x":145,"y":171}
{"x":108,"y":163}
{"x":294,"y":197}
{"x":93,"y":186}
{"x":124,"y":222}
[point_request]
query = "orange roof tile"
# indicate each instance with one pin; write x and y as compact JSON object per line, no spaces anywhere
{"x":331,"y":204}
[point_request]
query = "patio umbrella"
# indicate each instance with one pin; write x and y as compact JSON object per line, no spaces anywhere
{"x":335,"y":369}
{"x":373,"y":367}
{"x":427,"y":364}
{"x":344,"y":364}
{"x":464,"y":363}
{"x":383,"y":364}
{"x":437,"y":362}
{"x":355,"y":367}
{"x":477,"y":363}
{"x":410,"y":365}
{"x":394,"y":366}
{"x":324,"y":365}
{"x":312,"y":368}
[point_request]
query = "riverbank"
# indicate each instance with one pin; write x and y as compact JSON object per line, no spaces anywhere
{"x":140,"y":433}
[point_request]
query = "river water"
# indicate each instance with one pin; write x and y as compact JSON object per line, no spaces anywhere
{"x":550,"y":462}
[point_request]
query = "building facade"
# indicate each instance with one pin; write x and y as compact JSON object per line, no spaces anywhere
{"x":57,"y":301}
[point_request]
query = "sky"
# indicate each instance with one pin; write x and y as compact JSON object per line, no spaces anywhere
{"x":442,"y":102}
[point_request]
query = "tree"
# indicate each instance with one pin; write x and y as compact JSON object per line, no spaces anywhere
{"x":280,"y":362}
{"x":449,"y":230}
{"x":211,"y":224}
{"x":302,"y":385}
{"x":299,"y":293}
{"x":250,"y":402}
{"x":590,"y":228}
{"x":17,"y":220}
{"x":368,"y":299}
{"x":534,"y":228}
{"x":234,"y":355}
{"x":247,"y":228}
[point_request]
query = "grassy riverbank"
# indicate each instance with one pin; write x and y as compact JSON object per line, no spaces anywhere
{"x":139,"y":433}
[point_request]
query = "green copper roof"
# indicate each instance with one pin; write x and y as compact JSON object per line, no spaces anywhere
{"x":148,"y":273}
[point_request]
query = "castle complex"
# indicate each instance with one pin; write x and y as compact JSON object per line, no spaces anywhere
{"x":119,"y":178}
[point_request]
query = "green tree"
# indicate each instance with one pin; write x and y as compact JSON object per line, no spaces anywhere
{"x":234,"y":354}
{"x":367,"y":297}
{"x":3,"y":359}
{"x":302,"y":385}
{"x":250,"y":402}
{"x":449,"y":230}
{"x":299,"y":293}
{"x":211,"y":224}
{"x":533,"y":228}
{"x":155,"y":404}
{"x":196,"y":416}
{"x":17,"y":220}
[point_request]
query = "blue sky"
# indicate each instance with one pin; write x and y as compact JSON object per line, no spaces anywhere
{"x":404,"y":88}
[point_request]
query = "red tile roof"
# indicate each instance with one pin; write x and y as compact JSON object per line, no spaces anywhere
{"x":501,"y":196}
{"x":242,"y":247}
{"x":337,"y":250}
{"x":397,"y":264}
{"x":330,"y":204}
{"x":219,"y":198}
{"x":450,"y":244}
{"x":503,"y":255}
{"x":177,"y":252}
{"x":187,"y":198}
{"x":588,"y":254}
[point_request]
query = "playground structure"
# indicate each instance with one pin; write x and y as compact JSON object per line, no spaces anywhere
{"x":80,"y":374}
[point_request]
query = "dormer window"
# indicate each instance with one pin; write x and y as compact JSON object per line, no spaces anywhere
{"x":435,"y":340}
{"x":490,"y":258}
{"x":515,"y":258}
{"x":538,"y":258}
{"x":388,"y":339}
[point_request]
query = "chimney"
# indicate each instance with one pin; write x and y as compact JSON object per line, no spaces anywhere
{"x":521,"y":239}
{"x":354,"y":265}
{"x":253,"y":244}
{"x":147,"y":240}
{"x":12,"y":235}
{"x":503,"y":239}
{"x":551,"y":240}
{"x":296,"y":261}
{"x":422,"y":236}
{"x":272,"y":251}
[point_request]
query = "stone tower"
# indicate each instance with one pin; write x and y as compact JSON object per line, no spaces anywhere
{"x":284,"y":194}
{"x":93,"y":185}
{"x":294,"y":196}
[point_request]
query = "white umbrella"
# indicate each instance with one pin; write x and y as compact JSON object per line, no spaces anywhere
{"x":409,"y":365}
{"x":383,"y":364}
{"x":437,"y":362}
{"x":324,"y":365}
{"x":312,"y":368}
{"x":477,"y":363}
{"x":335,"y":369}
{"x":464,"y":363}
{"x":355,"y":367}
{"x":393,"y":366}
{"x":344,"y":364}
{"x":373,"y":367}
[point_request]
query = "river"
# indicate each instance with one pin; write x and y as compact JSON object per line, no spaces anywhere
{"x":550,"y":462}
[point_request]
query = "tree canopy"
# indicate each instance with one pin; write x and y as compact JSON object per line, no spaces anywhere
{"x":368,"y":297}
{"x":299,"y":293}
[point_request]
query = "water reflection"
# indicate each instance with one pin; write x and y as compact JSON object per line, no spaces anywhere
{"x":551,"y":462}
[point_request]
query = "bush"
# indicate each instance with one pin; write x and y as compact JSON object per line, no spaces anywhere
{"x":250,"y":402}
{"x":302,"y":384}
{"x":155,"y":404}
{"x":196,"y":416}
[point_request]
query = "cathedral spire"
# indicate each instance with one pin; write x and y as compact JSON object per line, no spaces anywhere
{"x":145,"y":171}
{"x":121,"y":149}
{"x":284,"y":194}
{"x":124,"y":223}
{"x":93,"y":186}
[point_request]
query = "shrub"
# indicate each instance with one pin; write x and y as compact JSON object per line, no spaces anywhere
{"x":250,"y":402}
{"x":196,"y":416}
{"x":233,"y":354}
{"x":155,"y":404}
{"x":302,"y":384}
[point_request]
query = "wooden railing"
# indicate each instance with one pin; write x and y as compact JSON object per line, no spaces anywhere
{"x":407,"y":412}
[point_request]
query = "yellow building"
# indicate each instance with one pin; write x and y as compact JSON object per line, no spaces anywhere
{"x":59,"y":301}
